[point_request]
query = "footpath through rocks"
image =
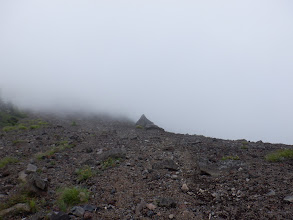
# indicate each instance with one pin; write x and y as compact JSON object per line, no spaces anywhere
{"x":101,"y":168}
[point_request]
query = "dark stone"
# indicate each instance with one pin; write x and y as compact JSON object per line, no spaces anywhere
{"x":166,"y":164}
{"x":166,"y":202}
{"x":150,"y":213}
{"x":113,"y":153}
{"x":60,"y":216}
{"x":146,"y":123}
{"x":77,"y":211}
{"x":88,"y":150}
{"x":36,"y":184}
{"x":89,"y":208}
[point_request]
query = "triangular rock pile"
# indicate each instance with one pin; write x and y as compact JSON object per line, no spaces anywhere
{"x":146,"y":123}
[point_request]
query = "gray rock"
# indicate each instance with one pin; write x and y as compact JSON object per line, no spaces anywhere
{"x":59,"y":216}
{"x":166,"y":164}
{"x":31,"y":168}
{"x":89,"y":208}
{"x":271,"y":193}
{"x":113,"y":153}
{"x":146,"y":123}
{"x":22,"y":176}
{"x":166,"y":202}
{"x":36,"y":183}
{"x":16,"y":208}
{"x":289,"y":198}
{"x":77,"y":211}
{"x":150,"y":213}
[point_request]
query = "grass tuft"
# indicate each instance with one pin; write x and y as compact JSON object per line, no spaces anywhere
{"x":32,"y":127}
{"x":63,"y":145}
{"x":230,"y":158}
{"x":280,"y":155}
{"x":84,"y":173}
{"x":7,"y":160}
{"x":71,"y":196}
{"x":110,"y":162}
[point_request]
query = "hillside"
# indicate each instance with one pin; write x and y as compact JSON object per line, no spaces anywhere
{"x":94,"y":167}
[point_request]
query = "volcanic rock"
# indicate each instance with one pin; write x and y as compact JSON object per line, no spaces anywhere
{"x":146,"y":123}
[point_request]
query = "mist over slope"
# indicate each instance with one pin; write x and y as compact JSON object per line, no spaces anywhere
{"x":222,"y":70}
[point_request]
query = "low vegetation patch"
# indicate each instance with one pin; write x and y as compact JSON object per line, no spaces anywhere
{"x":34,"y":127}
{"x":110,"y":162}
{"x":9,"y":114}
{"x":230,"y":158}
{"x":280,"y":155}
{"x":7,"y":160}
{"x":63,"y":145}
{"x":14,"y":128}
{"x":26,"y":124}
{"x":139,"y":127}
{"x":84,"y":173}
{"x":71,"y":196}
{"x":16,"y":142}
{"x":244,"y":145}
{"x":73,"y":123}
{"x":22,"y":196}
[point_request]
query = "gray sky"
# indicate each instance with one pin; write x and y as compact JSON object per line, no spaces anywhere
{"x":218,"y":68}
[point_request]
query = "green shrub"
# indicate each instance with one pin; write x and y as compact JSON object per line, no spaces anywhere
{"x":22,"y":127}
{"x":244,"y":147}
{"x":14,"y":128}
{"x":71,"y":196}
{"x":33,"y":205}
{"x":73,"y":123}
{"x":7,"y":160}
{"x":9,"y":128}
{"x":230,"y":158}
{"x":34,"y":127}
{"x":110,"y":162}
{"x":22,"y":196}
{"x":84,"y":173}
{"x":18,"y":142}
{"x":280,"y":155}
{"x":63,"y":145}
{"x":139,"y":127}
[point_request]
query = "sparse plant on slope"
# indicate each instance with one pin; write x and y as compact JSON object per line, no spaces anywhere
{"x":73,"y":123}
{"x":71,"y":196}
{"x":63,"y":145}
{"x":110,"y":162}
{"x":22,"y":196}
{"x":9,"y":114}
{"x":280,"y":155}
{"x":230,"y":158}
{"x":84,"y":173}
{"x":7,"y":160}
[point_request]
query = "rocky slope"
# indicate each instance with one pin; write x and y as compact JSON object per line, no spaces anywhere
{"x":128,"y":172}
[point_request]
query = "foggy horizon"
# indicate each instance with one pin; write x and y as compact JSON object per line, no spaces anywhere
{"x":219,"y":69}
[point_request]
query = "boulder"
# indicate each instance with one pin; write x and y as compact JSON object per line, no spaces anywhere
{"x":31,"y":168}
{"x":146,"y":123}
{"x":16,"y":208}
{"x":166,"y":164}
{"x":59,"y":216}
{"x":77,"y":211}
{"x":167,"y":202}
{"x":36,"y":184}
{"x":113,"y":153}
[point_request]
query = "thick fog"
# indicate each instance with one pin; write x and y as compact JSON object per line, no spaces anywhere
{"x":217,"y":68}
